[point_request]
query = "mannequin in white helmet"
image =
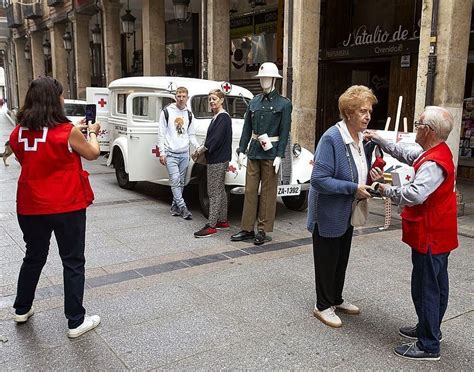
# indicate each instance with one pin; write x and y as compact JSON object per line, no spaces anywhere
{"x":264,"y":139}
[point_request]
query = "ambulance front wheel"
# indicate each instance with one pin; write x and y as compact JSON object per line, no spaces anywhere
{"x":120,"y":174}
{"x":296,"y":203}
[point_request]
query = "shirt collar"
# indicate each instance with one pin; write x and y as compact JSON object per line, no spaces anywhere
{"x":346,"y":136}
{"x":270,"y":96}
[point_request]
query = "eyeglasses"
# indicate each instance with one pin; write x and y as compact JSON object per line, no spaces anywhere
{"x":420,"y":123}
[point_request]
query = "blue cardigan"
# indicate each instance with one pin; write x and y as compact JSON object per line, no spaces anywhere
{"x":332,"y":188}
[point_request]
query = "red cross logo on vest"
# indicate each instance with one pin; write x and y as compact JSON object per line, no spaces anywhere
{"x":226,"y":87}
{"x":408,"y":177}
{"x":102,"y":102}
{"x":31,"y":138}
{"x":156,"y":151}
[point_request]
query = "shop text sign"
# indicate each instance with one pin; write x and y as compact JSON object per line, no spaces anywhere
{"x":362,"y":36}
{"x":364,"y":51}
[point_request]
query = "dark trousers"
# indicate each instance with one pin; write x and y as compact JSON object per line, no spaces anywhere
{"x":69,"y":229}
{"x":430,"y":292}
{"x":331,"y":256}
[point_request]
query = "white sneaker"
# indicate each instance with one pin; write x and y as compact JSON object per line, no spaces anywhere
{"x":24,"y":317}
{"x":328,"y":317}
{"x":348,"y":308}
{"x":90,"y":322}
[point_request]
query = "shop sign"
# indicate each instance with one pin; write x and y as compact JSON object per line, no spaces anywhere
{"x":362,"y":51}
{"x":405,"y":61}
{"x":379,"y":36}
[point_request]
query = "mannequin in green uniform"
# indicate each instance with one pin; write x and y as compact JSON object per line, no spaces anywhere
{"x":264,"y":139}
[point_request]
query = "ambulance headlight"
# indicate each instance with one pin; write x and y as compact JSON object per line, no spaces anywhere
{"x":296,"y":150}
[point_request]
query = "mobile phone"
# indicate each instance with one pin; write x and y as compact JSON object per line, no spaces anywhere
{"x":90,"y":113}
{"x":374,"y":193}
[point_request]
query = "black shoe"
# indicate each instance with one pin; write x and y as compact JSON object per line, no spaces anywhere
{"x":410,"y":332}
{"x":412,"y":351}
{"x":242,"y":235}
{"x":261,"y":238}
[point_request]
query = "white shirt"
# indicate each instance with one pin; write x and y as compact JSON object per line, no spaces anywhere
{"x":176,"y":134}
{"x":357,"y":151}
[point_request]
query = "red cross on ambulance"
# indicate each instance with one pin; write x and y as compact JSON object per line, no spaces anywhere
{"x":102,"y":102}
{"x":226,"y":87}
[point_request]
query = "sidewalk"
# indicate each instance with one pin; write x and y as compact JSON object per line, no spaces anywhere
{"x":170,"y":301}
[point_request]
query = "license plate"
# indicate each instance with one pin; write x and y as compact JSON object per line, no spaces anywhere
{"x":289,"y":190}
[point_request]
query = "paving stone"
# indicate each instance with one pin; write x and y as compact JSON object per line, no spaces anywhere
{"x":162,"y":341}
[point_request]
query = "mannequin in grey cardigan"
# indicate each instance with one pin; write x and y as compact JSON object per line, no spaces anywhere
{"x":339,"y":177}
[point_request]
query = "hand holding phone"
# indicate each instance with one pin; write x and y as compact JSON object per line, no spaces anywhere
{"x":90,"y":113}
{"x":374,"y":193}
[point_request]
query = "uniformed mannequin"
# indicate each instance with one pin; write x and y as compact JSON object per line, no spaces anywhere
{"x":268,"y":114}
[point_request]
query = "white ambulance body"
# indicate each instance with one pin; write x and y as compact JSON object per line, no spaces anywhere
{"x":100,"y":97}
{"x":134,"y":107}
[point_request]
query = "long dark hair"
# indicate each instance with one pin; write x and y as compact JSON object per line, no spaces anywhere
{"x":43,"y":106}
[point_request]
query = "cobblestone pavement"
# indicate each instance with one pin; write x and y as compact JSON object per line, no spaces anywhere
{"x":170,"y":301}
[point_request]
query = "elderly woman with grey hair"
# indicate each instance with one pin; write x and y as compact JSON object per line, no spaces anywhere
{"x":429,"y":226}
{"x":339,"y":177}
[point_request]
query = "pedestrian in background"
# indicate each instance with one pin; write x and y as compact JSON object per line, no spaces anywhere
{"x":175,"y":133}
{"x":339,"y":177}
{"x":52,"y":196}
{"x":218,"y":153}
{"x":429,"y":226}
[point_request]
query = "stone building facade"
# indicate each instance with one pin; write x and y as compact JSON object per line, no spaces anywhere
{"x":320,"y":46}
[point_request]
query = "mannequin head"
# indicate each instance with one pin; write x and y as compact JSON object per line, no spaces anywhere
{"x":267,"y":84}
{"x":268,"y":73}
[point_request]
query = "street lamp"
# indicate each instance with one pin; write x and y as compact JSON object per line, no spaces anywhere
{"x":27,"y":52}
{"x":128,"y":22}
{"x":67,"y":41}
{"x":180,"y":8}
{"x":47,"y":48}
{"x":96,"y":35}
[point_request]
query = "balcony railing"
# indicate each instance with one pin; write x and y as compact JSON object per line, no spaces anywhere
{"x":32,"y":11}
{"x":14,"y":18}
{"x":55,"y":2}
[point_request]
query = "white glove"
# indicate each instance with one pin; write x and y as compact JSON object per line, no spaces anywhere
{"x":276,"y":163}
{"x":240,"y":159}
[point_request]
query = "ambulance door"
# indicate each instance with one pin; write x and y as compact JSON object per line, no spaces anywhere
{"x":100,"y":97}
{"x":143,"y":113}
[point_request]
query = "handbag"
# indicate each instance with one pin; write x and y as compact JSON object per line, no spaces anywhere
{"x":360,"y":212}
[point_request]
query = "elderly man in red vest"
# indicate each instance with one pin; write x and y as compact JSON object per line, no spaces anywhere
{"x":429,"y":226}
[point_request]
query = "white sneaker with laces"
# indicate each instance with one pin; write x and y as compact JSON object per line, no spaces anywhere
{"x":348,"y":308}
{"x":90,"y":322}
{"x":24,"y":317}
{"x":328,"y":317}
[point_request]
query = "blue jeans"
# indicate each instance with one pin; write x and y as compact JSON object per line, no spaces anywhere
{"x":177,"y":165}
{"x":429,"y":291}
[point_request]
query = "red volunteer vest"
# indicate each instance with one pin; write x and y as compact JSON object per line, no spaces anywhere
{"x":52,"y":179}
{"x":433,"y":224}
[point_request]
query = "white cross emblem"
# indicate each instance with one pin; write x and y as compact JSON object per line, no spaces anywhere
{"x":37,"y":140}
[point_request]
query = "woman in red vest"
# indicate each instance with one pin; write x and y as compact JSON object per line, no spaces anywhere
{"x":52,"y":196}
{"x":429,"y":226}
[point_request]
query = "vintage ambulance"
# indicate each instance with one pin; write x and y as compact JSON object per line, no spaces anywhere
{"x":129,"y":117}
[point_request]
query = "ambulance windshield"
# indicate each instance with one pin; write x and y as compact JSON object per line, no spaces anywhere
{"x":234,"y":105}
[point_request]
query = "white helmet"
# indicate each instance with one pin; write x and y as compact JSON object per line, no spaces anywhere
{"x":268,"y":69}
